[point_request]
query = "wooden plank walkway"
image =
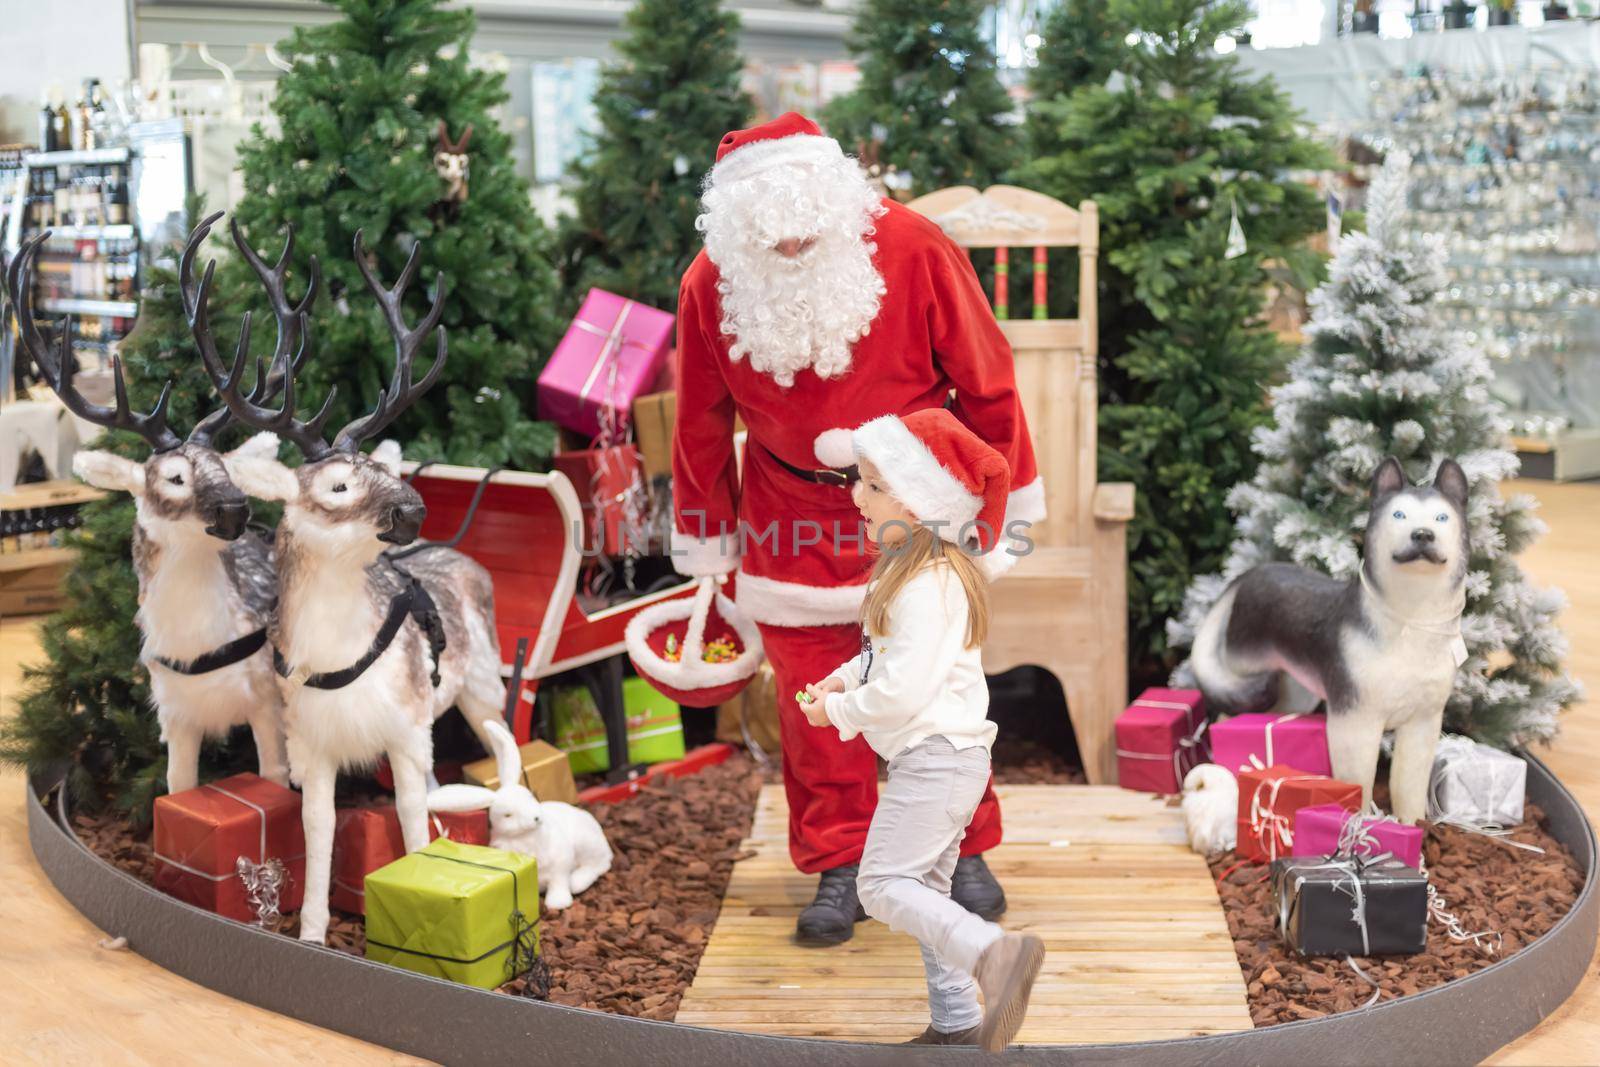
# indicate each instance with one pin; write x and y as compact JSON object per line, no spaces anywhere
{"x":1137,"y":945}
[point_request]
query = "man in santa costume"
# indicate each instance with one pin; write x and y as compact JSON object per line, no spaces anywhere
{"x":815,"y":306}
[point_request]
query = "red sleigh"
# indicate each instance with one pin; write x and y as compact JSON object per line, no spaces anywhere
{"x":526,"y":532}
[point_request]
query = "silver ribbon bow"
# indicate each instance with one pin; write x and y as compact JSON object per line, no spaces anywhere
{"x":263,"y":886}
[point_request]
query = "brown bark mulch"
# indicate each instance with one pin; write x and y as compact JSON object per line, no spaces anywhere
{"x":631,"y":943}
{"x":1488,"y":885}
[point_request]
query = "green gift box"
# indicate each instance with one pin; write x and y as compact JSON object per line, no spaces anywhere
{"x":462,"y":912}
{"x":655,"y":727}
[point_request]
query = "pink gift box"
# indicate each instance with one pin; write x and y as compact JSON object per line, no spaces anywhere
{"x":609,"y":332}
{"x":1317,"y":830}
{"x":1159,"y":738}
{"x":1263,"y":740}
{"x":1188,"y":701}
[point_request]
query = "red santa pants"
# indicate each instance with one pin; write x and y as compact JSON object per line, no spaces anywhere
{"x":832,"y":785}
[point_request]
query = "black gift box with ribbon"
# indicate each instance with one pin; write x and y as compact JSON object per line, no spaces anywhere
{"x":1351,"y":905}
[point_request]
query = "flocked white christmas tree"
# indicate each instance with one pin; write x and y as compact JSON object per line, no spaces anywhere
{"x":1378,"y":376}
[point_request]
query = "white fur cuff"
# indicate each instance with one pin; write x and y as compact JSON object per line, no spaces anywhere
{"x":778,"y":603}
{"x":1027,"y":503}
{"x":699,"y":557}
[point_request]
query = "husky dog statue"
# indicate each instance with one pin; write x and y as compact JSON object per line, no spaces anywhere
{"x":1381,"y":649}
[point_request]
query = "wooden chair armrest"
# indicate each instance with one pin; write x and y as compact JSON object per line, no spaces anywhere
{"x":1113,"y":501}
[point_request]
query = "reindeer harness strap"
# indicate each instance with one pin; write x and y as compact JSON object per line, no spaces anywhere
{"x":225,"y":656}
{"x":413,"y":601}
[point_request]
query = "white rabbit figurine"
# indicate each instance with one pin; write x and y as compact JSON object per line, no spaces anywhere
{"x":1211,"y":808}
{"x":566,"y":841}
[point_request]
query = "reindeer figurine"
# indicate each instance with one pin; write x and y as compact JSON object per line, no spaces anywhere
{"x":370,"y":650}
{"x":206,"y":585}
{"x":452,"y":164}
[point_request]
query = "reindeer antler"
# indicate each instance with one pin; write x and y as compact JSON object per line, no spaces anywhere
{"x":293,"y":323}
{"x":53,"y":366}
{"x":289,"y":318}
{"x":453,"y":147}
{"x":400,"y":393}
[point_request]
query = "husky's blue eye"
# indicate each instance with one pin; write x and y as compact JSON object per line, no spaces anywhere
{"x":1399,"y":514}
{"x":1442,"y":517}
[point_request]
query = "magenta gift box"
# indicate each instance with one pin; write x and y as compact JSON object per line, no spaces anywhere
{"x":1317,"y":830}
{"x":1263,"y":740}
{"x":609,"y":333}
{"x":1188,"y":701}
{"x":1159,"y":739}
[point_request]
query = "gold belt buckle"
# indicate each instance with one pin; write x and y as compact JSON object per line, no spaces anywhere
{"x":829,"y":476}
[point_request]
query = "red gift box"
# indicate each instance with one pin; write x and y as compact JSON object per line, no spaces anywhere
{"x":1160,"y":737}
{"x":1268,"y":800}
{"x":365,"y":839}
{"x":203,"y":834}
{"x":602,"y":477}
{"x":612,"y":353}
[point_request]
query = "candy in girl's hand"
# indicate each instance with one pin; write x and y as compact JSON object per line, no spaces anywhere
{"x":804,"y":697}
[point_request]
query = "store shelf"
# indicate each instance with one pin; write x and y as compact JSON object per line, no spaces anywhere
{"x":119,"y":232}
{"x":1571,"y":455}
{"x":51,"y":494}
{"x":125,"y":309}
{"x":86,"y":157}
{"x":30,"y":558}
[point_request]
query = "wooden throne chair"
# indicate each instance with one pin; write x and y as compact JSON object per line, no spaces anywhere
{"x":1064,"y":606}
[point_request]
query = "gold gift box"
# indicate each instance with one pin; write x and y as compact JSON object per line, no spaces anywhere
{"x":545,"y":771}
{"x":653,"y":417}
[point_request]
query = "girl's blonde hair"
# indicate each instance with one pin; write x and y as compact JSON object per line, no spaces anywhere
{"x":895,"y":568}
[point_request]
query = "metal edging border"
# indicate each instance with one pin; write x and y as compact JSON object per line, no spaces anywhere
{"x":1460,"y":1022}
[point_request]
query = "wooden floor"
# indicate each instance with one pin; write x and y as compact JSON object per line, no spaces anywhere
{"x":1137,"y":947}
{"x":67,"y":1001}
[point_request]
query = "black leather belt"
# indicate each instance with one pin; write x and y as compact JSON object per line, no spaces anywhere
{"x":842,"y":476}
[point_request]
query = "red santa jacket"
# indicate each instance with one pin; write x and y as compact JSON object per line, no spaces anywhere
{"x":801,"y":554}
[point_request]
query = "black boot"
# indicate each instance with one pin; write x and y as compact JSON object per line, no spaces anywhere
{"x":974,"y":888}
{"x":831,"y":919}
{"x":930,"y":1036}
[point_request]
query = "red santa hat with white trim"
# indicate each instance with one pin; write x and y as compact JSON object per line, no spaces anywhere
{"x":941,"y":471}
{"x":788,"y":139}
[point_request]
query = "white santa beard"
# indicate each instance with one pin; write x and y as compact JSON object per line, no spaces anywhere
{"x":790,"y":314}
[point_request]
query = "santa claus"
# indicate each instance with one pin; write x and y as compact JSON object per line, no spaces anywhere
{"x":815,"y":306}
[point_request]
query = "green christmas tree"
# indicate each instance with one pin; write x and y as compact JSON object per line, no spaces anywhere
{"x":929,"y":98}
{"x":87,"y":705}
{"x":360,"y":115}
{"x":1379,"y":378}
{"x":1180,"y":144}
{"x":1082,"y":45}
{"x":662,"y":112}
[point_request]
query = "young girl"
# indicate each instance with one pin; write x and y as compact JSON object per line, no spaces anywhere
{"x":929,"y":488}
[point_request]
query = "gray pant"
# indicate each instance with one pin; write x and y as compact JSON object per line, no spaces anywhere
{"x":910,"y":854}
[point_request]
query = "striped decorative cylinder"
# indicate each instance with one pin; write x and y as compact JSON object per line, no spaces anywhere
{"x":1002,"y":283}
{"x":1041,"y":283}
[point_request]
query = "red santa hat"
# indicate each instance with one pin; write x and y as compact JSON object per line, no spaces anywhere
{"x":786,"y":140}
{"x":941,"y":471}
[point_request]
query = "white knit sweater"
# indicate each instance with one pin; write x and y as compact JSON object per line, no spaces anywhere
{"x":922,"y":680}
